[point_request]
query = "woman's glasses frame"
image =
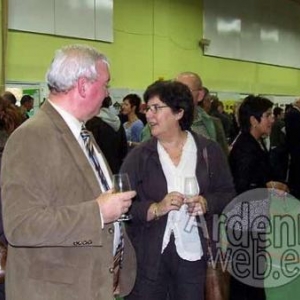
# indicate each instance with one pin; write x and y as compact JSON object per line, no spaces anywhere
{"x":154,"y":108}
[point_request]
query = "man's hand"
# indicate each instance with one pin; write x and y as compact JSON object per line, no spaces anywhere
{"x":112,"y":206}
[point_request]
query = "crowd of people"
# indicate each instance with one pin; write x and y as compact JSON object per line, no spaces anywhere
{"x":59,"y":208}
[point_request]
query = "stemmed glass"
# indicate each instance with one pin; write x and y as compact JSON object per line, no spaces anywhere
{"x":121,"y":183}
{"x":191,"y":187}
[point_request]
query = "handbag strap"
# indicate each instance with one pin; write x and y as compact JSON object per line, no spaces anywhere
{"x":206,"y":233}
{"x":205,"y":157}
{"x":204,"y":227}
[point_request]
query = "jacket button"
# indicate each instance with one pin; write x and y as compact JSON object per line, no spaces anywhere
{"x":111,"y":270}
{"x":111,"y":230}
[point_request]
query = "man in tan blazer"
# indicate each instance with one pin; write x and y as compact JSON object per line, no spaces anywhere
{"x":59,"y":220}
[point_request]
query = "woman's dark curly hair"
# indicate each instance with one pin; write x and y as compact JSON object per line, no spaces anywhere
{"x":177,"y":96}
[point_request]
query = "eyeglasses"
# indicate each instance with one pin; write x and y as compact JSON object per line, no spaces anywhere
{"x":155,"y":108}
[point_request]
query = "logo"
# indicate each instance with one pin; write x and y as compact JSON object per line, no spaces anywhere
{"x":257,"y":237}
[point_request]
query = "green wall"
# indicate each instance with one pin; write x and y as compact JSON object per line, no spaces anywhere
{"x":153,"y":39}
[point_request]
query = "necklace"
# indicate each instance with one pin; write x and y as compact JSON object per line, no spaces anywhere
{"x":175,"y":152}
{"x":174,"y":156}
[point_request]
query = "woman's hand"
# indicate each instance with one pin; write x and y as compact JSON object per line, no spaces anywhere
{"x":276,"y":185}
{"x":172,"y":201}
{"x":197,"y":205}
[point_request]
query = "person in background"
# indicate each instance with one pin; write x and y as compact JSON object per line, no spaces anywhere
{"x":235,"y":128}
{"x":115,"y":108}
{"x":59,"y":212}
{"x":10,"y":98}
{"x":217,"y":110}
{"x":109,"y":135}
{"x":140,"y":114}
{"x":134,"y":126}
{"x":203,"y":123}
{"x":11,"y":101}
{"x":279,"y":156}
{"x":287,"y":108}
{"x":292,"y":126}
{"x":26,"y":106}
{"x":249,"y":159}
{"x":220,"y":134}
{"x":8,"y":123}
{"x":251,"y":169}
{"x":171,"y":259}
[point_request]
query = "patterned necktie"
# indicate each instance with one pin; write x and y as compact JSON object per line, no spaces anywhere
{"x":118,"y":257}
{"x":88,"y":143}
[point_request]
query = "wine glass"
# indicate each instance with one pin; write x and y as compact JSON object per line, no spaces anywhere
{"x":121,"y":183}
{"x":191,"y":187}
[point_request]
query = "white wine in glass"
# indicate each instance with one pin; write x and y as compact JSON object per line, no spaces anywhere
{"x":191,"y":187}
{"x":121,"y":183}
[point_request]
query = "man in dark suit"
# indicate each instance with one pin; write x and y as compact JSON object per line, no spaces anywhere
{"x":292,"y":126}
{"x":109,"y":135}
{"x":59,"y":217}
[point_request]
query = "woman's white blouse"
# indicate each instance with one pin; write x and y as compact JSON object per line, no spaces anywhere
{"x":184,"y":227}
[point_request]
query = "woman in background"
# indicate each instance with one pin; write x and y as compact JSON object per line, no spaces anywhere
{"x":171,"y":258}
{"x":251,"y":169}
{"x":249,"y":157}
{"x":134,"y":126}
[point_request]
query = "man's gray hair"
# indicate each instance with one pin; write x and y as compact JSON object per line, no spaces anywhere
{"x":71,"y":63}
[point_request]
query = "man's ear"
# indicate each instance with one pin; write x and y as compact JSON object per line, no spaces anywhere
{"x":201,"y":95}
{"x":82,"y":86}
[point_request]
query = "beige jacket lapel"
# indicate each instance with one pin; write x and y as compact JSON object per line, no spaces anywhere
{"x":73,"y":147}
